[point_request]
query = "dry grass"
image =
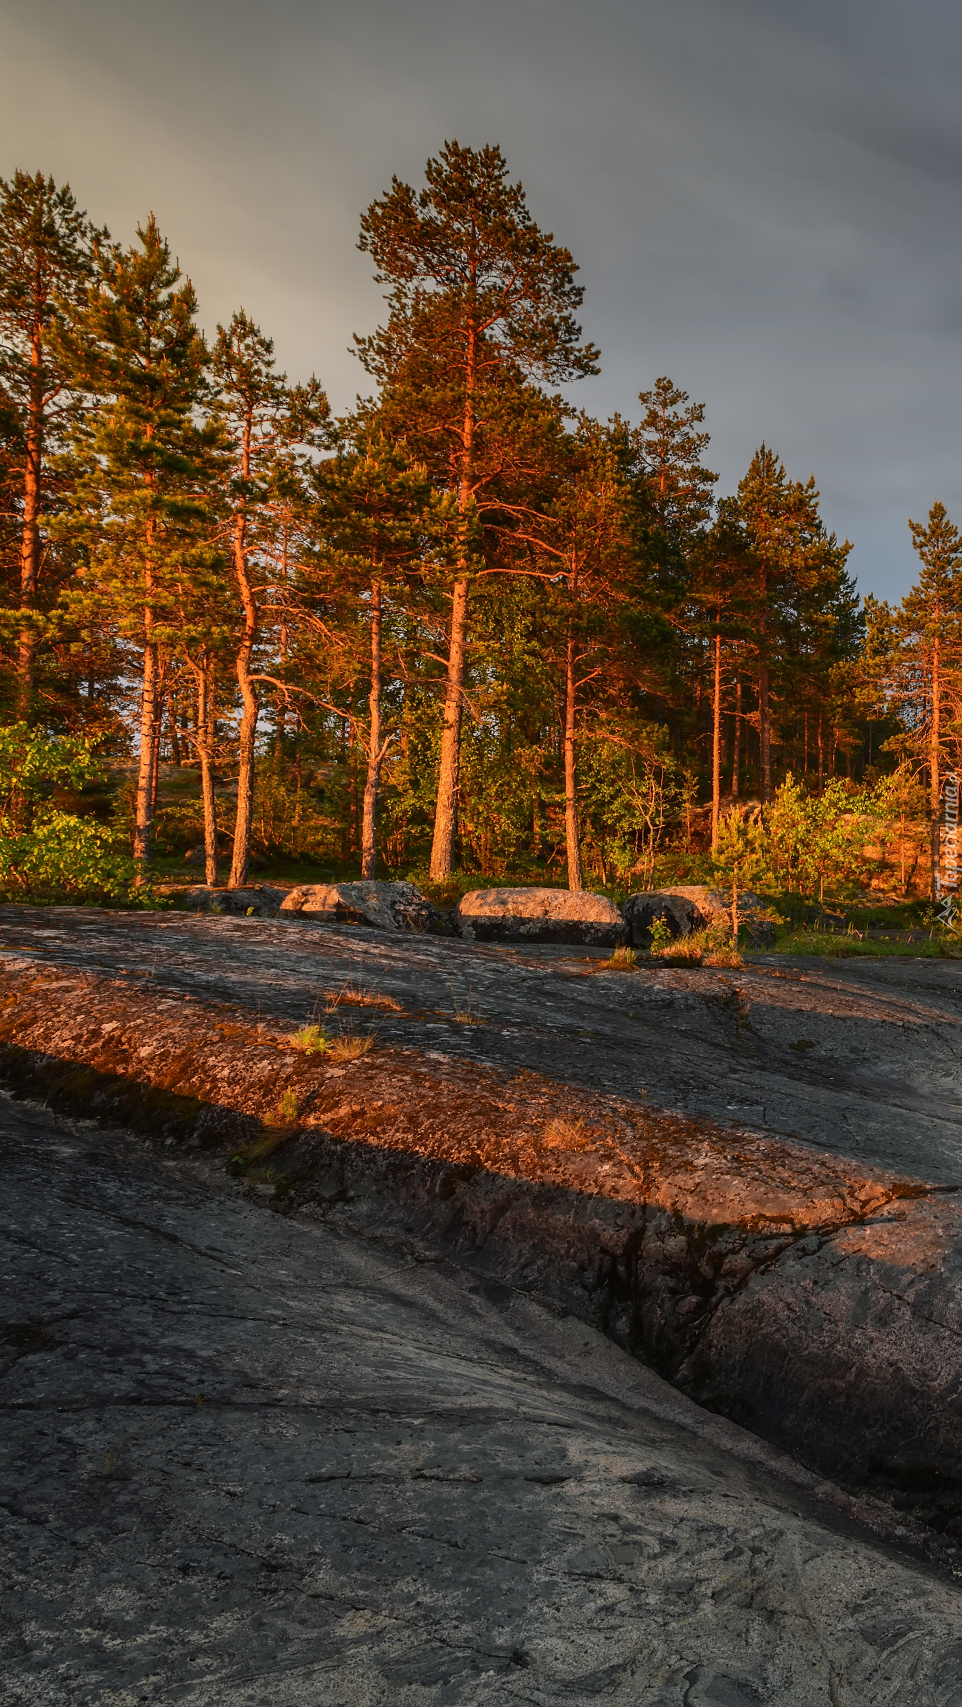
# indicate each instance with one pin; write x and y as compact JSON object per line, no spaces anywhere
{"x":701,"y":948}
{"x":468,"y":1014}
{"x":622,"y":960}
{"x":355,"y":996}
{"x":350,"y":1045}
{"x":564,"y":1134}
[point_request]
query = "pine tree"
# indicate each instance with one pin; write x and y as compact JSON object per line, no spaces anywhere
{"x":481,"y":303}
{"x":792,"y":556}
{"x":668,"y":447}
{"x":377,"y":517}
{"x":264,"y":420}
{"x":580,"y":545}
{"x":47,"y":247}
{"x":721,"y":604}
{"x":915,"y":655}
{"x":142,"y":504}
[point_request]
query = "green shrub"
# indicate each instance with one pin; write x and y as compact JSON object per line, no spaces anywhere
{"x":47,"y":854}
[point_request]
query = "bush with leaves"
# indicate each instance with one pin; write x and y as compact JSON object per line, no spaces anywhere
{"x":46,"y":853}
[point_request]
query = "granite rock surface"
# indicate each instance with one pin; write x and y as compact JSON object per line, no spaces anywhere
{"x":247,"y":1459}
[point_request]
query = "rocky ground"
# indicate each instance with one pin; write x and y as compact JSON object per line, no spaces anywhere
{"x":389,"y":1443}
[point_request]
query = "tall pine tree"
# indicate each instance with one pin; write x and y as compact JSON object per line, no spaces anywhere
{"x":481,"y":303}
{"x":142,"y":503}
{"x":47,"y":248}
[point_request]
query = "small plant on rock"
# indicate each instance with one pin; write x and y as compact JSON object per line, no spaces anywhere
{"x":311,"y":1040}
{"x":660,"y":936}
{"x":287,"y":1110}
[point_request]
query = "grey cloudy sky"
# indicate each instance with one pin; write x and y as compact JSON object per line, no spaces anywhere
{"x":763,"y":195}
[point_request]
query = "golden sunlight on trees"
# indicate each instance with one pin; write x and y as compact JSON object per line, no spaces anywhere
{"x":462,"y":626}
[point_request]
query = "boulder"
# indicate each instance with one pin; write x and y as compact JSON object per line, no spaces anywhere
{"x":539,"y":915}
{"x":257,"y":900}
{"x":640,"y":912}
{"x":386,"y":906}
{"x":715,"y":906}
{"x":694,"y":907}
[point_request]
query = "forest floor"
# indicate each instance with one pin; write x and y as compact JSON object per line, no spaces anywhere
{"x":388,"y":1443}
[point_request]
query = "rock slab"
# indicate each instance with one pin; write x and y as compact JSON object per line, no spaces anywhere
{"x":249,"y":1461}
{"x":539,"y":915}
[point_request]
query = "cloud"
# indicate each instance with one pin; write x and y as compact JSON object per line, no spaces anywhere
{"x":764,"y":198}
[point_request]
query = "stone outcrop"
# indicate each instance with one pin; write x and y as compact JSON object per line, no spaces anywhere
{"x":583,"y":1134}
{"x":693,"y":907}
{"x":640,"y":912}
{"x":257,"y":900}
{"x":807,"y":1296}
{"x":386,"y":906}
{"x":247,"y":1462}
{"x":539,"y":915}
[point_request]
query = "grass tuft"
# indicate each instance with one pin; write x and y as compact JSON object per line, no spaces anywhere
{"x":468,"y":1014}
{"x":351,"y":1045}
{"x":622,"y":960}
{"x":565,"y":1134}
{"x":355,"y":996}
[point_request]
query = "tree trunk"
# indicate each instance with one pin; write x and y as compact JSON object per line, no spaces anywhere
{"x":143,"y":806}
{"x":572,"y":831}
{"x":281,"y":734}
{"x":30,"y":538}
{"x":446,"y":813}
{"x":205,"y":753}
{"x":716,"y":748}
{"x":240,"y":861}
{"x":446,"y":810}
{"x":935,"y":791}
{"x":374,"y":752}
{"x":764,"y":735}
{"x":737,"y":739}
{"x":155,"y":750}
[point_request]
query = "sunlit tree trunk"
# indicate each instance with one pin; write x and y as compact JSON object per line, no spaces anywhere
{"x":149,"y":712}
{"x":935,"y":791}
{"x":375,"y":752}
{"x":572,"y":829}
{"x":764,"y":734}
{"x":716,"y":748}
{"x":143,"y":803}
{"x":205,"y":754}
{"x":30,"y":539}
{"x":737,"y":739}
{"x":247,"y":734}
{"x":446,"y":810}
